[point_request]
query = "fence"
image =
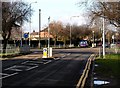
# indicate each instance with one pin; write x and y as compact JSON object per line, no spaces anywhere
{"x":56,"y":46}
{"x":10,"y":49}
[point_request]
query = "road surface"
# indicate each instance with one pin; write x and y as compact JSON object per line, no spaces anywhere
{"x":63,"y":71}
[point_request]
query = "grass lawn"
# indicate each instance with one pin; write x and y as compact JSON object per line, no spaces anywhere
{"x":108,"y":68}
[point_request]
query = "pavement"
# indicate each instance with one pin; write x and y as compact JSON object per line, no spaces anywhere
{"x":28,"y":56}
{"x":34,"y":55}
{"x":37,"y":55}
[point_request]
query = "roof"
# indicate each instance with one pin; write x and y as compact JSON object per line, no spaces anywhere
{"x":34,"y":33}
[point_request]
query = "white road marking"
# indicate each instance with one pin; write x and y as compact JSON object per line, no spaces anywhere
{"x":10,"y":67}
{"x":32,"y":62}
{"x":63,"y":56}
{"x":31,"y":68}
{"x":3,"y":74}
{"x":17,"y":68}
{"x":8,"y":75}
{"x":57,"y":58}
{"x":48,"y":62}
{"x":68,"y":53}
{"x":24,"y":62}
{"x":13,"y":69}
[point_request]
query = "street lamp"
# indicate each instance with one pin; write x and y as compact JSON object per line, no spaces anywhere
{"x":48,"y":37}
{"x":39,"y":27}
{"x":21,"y":28}
{"x":30,"y":21}
{"x":71,"y":29}
{"x":103,"y":35}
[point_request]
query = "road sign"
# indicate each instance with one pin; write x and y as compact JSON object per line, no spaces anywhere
{"x":44,"y":52}
{"x":26,"y":35}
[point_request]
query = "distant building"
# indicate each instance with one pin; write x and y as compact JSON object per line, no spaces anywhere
{"x":43,"y":35}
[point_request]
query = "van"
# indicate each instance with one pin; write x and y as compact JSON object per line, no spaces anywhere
{"x":83,"y":43}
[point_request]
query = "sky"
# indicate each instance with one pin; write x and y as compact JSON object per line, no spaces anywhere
{"x":58,"y":10}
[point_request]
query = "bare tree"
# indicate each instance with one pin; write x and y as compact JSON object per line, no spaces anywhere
{"x":55,"y":28}
{"x":77,"y":33}
{"x":65,"y":33}
{"x":13,"y":15}
{"x":108,"y":10}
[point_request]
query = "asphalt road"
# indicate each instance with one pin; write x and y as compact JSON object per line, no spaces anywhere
{"x":63,"y":71}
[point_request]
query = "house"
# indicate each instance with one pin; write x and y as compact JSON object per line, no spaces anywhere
{"x":43,"y":35}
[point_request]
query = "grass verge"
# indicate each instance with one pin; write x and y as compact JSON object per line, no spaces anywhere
{"x":108,"y":68}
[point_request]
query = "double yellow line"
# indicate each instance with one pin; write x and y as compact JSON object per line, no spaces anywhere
{"x":82,"y":80}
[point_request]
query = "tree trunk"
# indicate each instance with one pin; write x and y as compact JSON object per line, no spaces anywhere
{"x":4,"y":45}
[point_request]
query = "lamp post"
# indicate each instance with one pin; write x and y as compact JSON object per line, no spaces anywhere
{"x":30,"y":22}
{"x":103,"y":35}
{"x":71,"y":29}
{"x":103,"y":38}
{"x":48,"y":37}
{"x":39,"y":27}
{"x":21,"y":34}
{"x":21,"y":29}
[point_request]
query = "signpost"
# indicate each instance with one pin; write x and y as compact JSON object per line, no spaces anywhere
{"x":26,"y":36}
{"x":47,"y":52}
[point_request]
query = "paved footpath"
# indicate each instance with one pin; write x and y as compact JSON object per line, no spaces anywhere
{"x":34,"y":55}
{"x":28,"y":56}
